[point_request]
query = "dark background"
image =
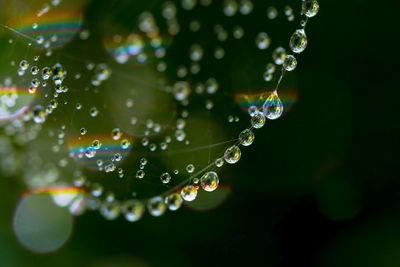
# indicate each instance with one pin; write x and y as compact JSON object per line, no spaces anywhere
{"x":325,"y":192}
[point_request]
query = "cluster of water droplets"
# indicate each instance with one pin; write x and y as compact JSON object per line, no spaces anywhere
{"x":133,"y":48}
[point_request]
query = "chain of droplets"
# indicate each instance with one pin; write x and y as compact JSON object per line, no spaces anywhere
{"x":172,"y":199}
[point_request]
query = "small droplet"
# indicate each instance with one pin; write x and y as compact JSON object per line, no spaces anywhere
{"x":190,"y":168}
{"x":165,"y":178}
{"x":83,"y":131}
{"x":219,"y":162}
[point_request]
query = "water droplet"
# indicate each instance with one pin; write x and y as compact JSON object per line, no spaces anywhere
{"x":94,"y":112}
{"x":190,"y":168}
{"x":263,"y":41}
{"x":310,"y":8}
{"x":96,"y":190}
{"x":209,"y":181}
{"x":140,"y":174}
{"x":156,"y":206}
{"x":173,"y":201}
{"x":83,"y":131}
{"x":165,"y":178}
{"x":230,"y":7}
{"x":181,"y":90}
{"x":39,"y":114}
{"x":219,"y":162}
{"x":110,"y":210}
{"x":125,"y":144}
{"x":34,"y":70}
{"x":133,"y":210}
{"x":116,"y":133}
{"x":24,"y":64}
{"x":196,"y":52}
{"x":232,"y":154}
{"x":290,"y":63}
{"x":258,"y":120}
{"x":298,"y":41}
{"x":189,"y":192}
{"x":246,"y":137}
{"x":273,"y":107}
{"x":279,"y":55}
{"x":272,"y":12}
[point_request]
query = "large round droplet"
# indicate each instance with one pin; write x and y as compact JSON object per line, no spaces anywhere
{"x":273,"y":107}
{"x":310,"y":8}
{"x":232,"y":154}
{"x":298,"y":41}
{"x":209,"y":181}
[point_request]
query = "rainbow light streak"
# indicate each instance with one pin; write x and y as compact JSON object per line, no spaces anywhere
{"x":78,"y":146}
{"x":57,"y":191}
{"x":62,"y":25}
{"x":288,"y":98}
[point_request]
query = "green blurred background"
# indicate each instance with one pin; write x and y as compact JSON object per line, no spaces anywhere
{"x":324,"y":192}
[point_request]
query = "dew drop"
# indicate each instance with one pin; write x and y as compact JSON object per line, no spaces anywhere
{"x":232,"y":154}
{"x":165,"y":178}
{"x":209,"y":181}
{"x":258,"y":120}
{"x":263,"y":41}
{"x":173,"y":201}
{"x":156,"y":206}
{"x":298,"y":41}
{"x":290,"y":63}
{"x":310,"y":8}
{"x":110,"y":210}
{"x":189,"y":192}
{"x":133,"y":210}
{"x":273,"y":107}
{"x":279,"y":55}
{"x":246,"y":137}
